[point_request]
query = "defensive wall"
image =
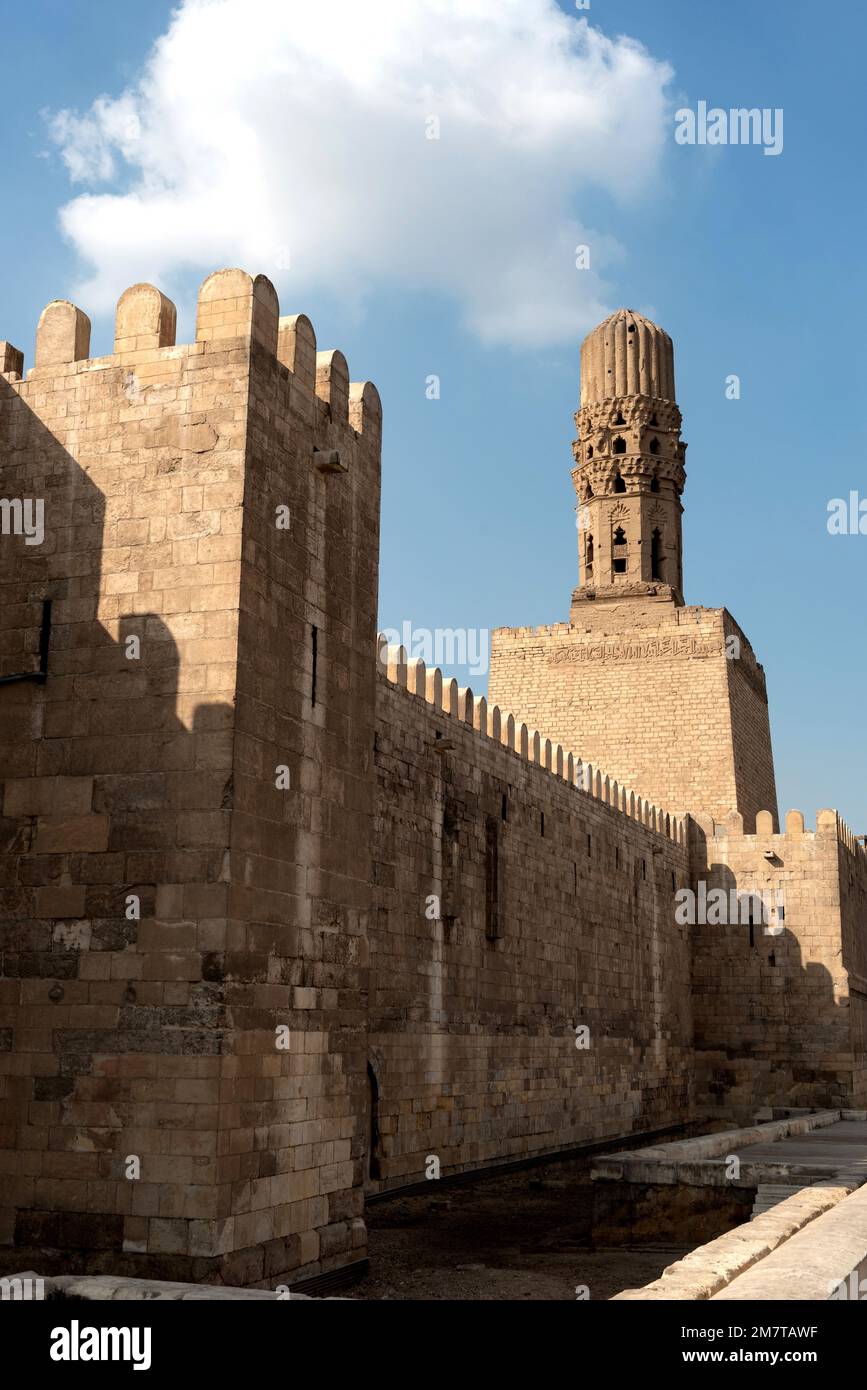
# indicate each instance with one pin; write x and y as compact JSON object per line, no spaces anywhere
{"x":781,"y":1006}
{"x":512,"y":908}
{"x":187,"y":727}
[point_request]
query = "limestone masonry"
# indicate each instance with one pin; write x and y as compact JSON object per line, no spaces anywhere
{"x":288,"y":919}
{"x":668,"y":698}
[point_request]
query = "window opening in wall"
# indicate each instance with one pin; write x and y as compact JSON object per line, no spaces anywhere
{"x":619,"y":446}
{"x":751,"y":919}
{"x":656,"y":561}
{"x":492,"y":878}
{"x":619,"y":551}
{"x":315,"y":657}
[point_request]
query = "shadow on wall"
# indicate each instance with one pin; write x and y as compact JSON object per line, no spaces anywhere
{"x":107,"y":795}
{"x":769,"y":1030}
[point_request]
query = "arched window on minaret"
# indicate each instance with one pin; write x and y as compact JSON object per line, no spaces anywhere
{"x":656,"y":561}
{"x":620,"y":420}
{"x":618,"y":551}
{"x":590,"y":451}
{"x":619,"y":485}
{"x":588,"y":558}
{"x":654,"y":446}
{"x":588,"y":493}
{"x":654,"y":483}
{"x":619,"y":445}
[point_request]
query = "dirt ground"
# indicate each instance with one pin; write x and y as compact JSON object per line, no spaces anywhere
{"x":522,"y":1236}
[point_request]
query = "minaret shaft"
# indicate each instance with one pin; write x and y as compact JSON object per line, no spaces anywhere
{"x":629,"y":464}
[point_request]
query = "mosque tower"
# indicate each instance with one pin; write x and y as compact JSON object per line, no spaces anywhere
{"x":629,"y":463}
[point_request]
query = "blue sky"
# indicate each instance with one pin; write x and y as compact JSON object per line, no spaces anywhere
{"x":753,"y":264}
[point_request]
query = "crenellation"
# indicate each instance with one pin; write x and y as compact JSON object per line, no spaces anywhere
{"x":145,"y":320}
{"x":433,"y":688}
{"x":463,"y":710}
{"x":416,"y":677}
{"x":332,"y":384}
{"x":365,"y":410}
{"x":62,"y":336}
{"x":480,"y":715}
{"x":459,"y":703}
{"x":11,"y":361}
{"x":296,"y":349}
{"x":233,"y":305}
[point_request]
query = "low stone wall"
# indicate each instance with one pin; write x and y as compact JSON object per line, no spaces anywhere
{"x":702,"y":1161}
{"x":827,"y":1260}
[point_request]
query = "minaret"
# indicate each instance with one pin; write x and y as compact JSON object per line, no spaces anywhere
{"x":629,"y":464}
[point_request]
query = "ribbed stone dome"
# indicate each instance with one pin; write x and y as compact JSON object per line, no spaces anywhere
{"x":626,"y":355}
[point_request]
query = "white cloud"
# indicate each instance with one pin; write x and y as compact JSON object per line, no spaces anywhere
{"x":267,"y":132}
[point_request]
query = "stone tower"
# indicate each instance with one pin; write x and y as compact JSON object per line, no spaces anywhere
{"x":629,"y":462}
{"x":186,"y":725}
{"x":668,"y":698}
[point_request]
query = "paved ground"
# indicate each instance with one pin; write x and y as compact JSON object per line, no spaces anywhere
{"x":840,"y":1147}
